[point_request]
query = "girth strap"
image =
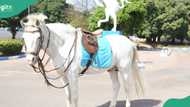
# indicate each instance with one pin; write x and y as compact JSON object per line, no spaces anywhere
{"x":90,"y":43}
{"x":88,"y":64}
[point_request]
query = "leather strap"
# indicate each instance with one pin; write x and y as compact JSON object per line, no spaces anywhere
{"x":88,"y":64}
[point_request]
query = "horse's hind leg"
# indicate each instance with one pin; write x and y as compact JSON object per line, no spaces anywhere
{"x":124,"y":76}
{"x":125,"y":68}
{"x":116,"y":87}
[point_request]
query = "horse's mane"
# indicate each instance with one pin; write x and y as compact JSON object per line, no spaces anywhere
{"x":54,"y":26}
{"x":61,"y":27}
{"x":61,"y":31}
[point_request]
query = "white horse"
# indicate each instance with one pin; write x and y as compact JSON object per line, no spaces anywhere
{"x":62,"y":43}
{"x":111,"y":9}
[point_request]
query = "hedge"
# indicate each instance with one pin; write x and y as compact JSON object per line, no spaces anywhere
{"x":10,"y":47}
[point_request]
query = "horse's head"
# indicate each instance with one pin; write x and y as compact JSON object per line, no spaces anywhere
{"x":32,"y":35}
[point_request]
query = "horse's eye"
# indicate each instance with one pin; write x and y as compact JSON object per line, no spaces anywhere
{"x":25,"y":20}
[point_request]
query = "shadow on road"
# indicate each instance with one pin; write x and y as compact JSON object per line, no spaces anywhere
{"x":136,"y":103}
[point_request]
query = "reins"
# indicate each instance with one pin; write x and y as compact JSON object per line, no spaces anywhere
{"x":41,"y":67}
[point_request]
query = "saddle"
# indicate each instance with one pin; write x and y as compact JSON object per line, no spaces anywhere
{"x":93,"y":48}
{"x":90,"y":42}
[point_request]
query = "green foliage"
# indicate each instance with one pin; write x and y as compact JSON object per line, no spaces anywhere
{"x":151,"y":19}
{"x":76,"y":18}
{"x":10,"y":47}
{"x":95,"y":16}
{"x":166,"y":18}
{"x":54,"y":9}
{"x":59,"y":11}
{"x":3,"y":23}
{"x":131,"y":18}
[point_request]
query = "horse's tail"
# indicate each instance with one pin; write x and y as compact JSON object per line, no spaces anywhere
{"x":139,"y":85}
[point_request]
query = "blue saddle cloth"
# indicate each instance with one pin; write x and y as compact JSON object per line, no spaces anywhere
{"x":103,"y":57}
{"x":106,"y":33}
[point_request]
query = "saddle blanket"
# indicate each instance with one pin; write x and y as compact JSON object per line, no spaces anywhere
{"x":106,"y":33}
{"x":103,"y":57}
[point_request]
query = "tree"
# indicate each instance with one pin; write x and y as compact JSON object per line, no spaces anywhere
{"x":96,"y":15}
{"x":54,"y":9}
{"x":175,"y":21}
{"x":59,"y":11}
{"x":168,"y":19}
{"x":151,"y":26}
{"x":130,"y":18}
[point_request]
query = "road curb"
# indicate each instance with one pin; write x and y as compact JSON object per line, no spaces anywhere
{"x":12,"y":57}
{"x":186,"y":49}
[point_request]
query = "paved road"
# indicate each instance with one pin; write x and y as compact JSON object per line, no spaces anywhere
{"x":165,"y":77}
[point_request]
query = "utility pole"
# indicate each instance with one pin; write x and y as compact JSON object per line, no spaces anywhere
{"x":29,"y":9}
{"x":87,"y":5}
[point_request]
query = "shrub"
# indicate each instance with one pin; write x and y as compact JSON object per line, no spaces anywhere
{"x":10,"y":47}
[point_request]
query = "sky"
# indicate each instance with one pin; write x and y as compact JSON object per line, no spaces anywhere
{"x":82,"y":4}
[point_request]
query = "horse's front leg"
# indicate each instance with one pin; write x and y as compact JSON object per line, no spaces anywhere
{"x":73,"y":87}
{"x":116,"y":87}
{"x":67,"y":91}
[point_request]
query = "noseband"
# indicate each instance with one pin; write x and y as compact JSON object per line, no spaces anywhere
{"x":40,"y":45}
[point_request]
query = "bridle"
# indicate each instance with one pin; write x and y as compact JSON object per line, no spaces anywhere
{"x":40,"y":66}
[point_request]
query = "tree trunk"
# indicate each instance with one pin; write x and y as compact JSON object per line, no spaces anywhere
{"x":159,"y":39}
{"x":173,"y":40}
{"x":182,"y":40}
{"x":13,"y":31}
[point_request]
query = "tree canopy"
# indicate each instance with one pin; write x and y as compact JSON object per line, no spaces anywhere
{"x":166,"y":19}
{"x":151,"y":19}
{"x":155,"y":20}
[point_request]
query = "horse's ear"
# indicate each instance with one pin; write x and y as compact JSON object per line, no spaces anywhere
{"x":42,"y":17}
{"x":37,"y":23}
{"x":40,"y":23}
